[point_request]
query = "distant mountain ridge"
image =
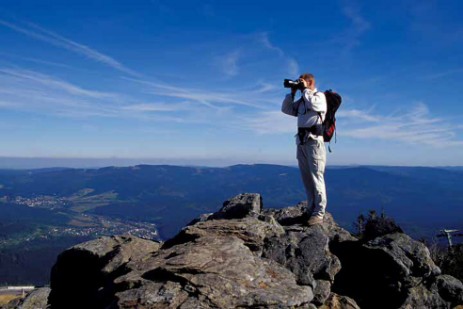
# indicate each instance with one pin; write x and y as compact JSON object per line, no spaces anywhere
{"x":156,"y":192}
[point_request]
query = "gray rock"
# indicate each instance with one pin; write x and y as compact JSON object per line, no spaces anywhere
{"x":298,"y":215}
{"x":118,"y":250}
{"x":88,"y":269}
{"x":334,"y":231}
{"x":36,"y":299}
{"x":450,"y":288}
{"x":244,"y":256}
{"x":339,"y":302}
{"x":154,"y":295}
{"x":411,"y":257}
{"x":394,"y":269}
{"x":290,"y":215}
{"x":304,"y":251}
{"x":201,"y":218}
{"x":321,"y":292}
{"x":243,"y":205}
{"x":252,"y":231}
{"x":217,"y":271}
{"x":421,"y":297}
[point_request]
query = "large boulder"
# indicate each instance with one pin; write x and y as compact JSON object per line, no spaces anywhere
{"x":395,"y":269}
{"x":305,"y":251}
{"x":449,"y":288}
{"x":242,"y":205}
{"x":36,"y":299}
{"x":244,"y":256}
{"x":411,"y":257}
{"x":88,"y":270}
{"x":232,"y":258}
{"x":211,"y":272}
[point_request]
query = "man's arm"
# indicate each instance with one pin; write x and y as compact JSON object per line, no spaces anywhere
{"x":288,"y":106}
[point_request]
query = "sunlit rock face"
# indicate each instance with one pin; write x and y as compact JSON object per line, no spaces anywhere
{"x":246,"y":256}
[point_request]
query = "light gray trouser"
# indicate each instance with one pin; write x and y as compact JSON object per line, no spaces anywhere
{"x":311,"y":158}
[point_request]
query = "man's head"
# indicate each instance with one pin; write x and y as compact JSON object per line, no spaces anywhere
{"x":310,"y":79}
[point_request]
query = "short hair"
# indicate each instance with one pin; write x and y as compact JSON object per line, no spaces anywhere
{"x":307,"y":76}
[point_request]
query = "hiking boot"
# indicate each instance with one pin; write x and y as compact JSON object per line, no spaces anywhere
{"x":314,"y":220}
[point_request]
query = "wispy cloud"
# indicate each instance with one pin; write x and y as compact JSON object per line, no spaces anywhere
{"x":414,"y":126}
{"x":263,"y":38}
{"x":446,"y":73}
{"x":359,"y":22}
{"x":351,"y":36}
{"x":158,"y":107}
{"x":229,"y":63}
{"x":49,"y":82}
{"x":293,"y":67}
{"x":34,"y":92}
{"x":292,"y":64}
{"x":212,"y":99}
{"x":39,"y":61}
{"x":270,"y":122}
{"x":356,"y":115}
{"x":41,"y":34}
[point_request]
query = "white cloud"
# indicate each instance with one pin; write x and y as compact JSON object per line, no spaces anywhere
{"x":265,"y":87}
{"x":229,"y":63}
{"x":360,"y":24}
{"x":30,"y":91}
{"x":41,"y":34}
{"x":446,"y":73}
{"x":157,"y":107}
{"x":40,"y":61}
{"x":271,"y":122}
{"x":293,"y":66}
{"x":413,"y":126}
{"x":55,"y":83}
{"x":350,"y":37}
{"x":212,"y":99}
{"x":263,"y":38}
{"x":357,"y":115}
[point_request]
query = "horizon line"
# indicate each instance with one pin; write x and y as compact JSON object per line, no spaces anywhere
{"x":83,"y":162}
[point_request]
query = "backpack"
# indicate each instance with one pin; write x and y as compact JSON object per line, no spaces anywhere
{"x":333,"y":101}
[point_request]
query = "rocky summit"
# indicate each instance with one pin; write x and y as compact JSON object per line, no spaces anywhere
{"x":245,"y":256}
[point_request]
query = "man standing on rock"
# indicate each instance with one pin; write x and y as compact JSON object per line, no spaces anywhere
{"x":310,"y":111}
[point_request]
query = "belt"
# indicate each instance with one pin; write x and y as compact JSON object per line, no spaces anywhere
{"x":304,"y":132}
{"x":315,"y":130}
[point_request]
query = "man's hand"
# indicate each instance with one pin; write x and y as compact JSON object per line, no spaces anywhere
{"x":306,"y":84}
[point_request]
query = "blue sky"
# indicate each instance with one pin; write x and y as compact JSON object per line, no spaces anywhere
{"x":200,"y":82}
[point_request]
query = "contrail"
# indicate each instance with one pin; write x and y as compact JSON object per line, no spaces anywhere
{"x":41,"y":34}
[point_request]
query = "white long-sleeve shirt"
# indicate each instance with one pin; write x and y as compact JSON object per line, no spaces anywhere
{"x":306,"y":109}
